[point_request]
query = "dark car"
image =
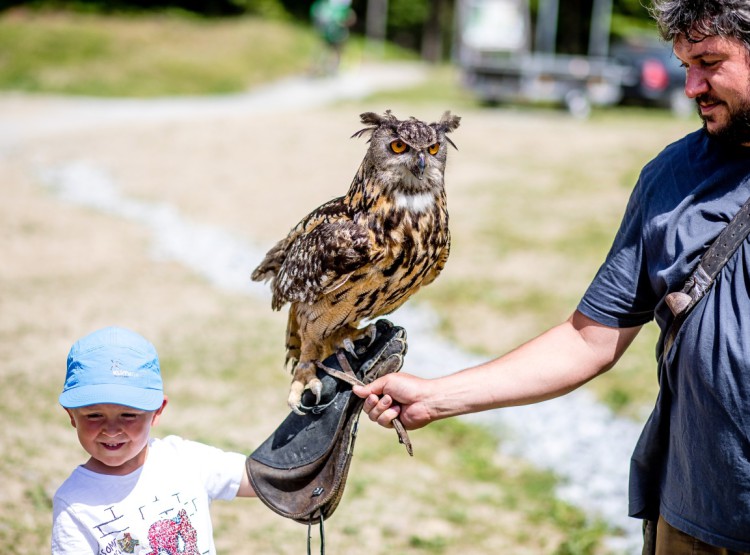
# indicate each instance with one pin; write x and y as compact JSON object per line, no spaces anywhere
{"x":654,"y":76}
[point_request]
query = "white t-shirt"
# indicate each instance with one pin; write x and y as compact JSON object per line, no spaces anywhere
{"x":163,"y":507}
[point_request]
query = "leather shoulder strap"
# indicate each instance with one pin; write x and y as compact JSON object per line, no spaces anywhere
{"x":702,"y":278}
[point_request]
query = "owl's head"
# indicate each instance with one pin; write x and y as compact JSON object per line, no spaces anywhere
{"x":409,"y":153}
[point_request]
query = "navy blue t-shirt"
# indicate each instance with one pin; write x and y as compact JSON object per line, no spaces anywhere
{"x":692,"y":462}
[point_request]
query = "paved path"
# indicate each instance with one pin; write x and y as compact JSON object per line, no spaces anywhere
{"x":23,"y":117}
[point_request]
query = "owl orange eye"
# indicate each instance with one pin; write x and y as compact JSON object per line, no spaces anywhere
{"x":434,"y":149}
{"x":399,"y":147}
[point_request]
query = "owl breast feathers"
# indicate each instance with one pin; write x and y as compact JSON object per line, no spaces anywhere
{"x":363,"y":255}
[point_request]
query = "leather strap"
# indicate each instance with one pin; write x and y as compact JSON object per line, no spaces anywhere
{"x":351,"y":378}
{"x":702,"y":278}
{"x":727,"y":242}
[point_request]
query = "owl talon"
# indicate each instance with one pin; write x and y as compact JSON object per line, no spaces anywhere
{"x":316,"y":386}
{"x":298,"y":388}
{"x":295,"y":396}
{"x":371,"y":332}
{"x":295,"y":407}
{"x":348,"y":346}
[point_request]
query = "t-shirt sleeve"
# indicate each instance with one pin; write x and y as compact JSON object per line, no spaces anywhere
{"x":221,"y":471}
{"x":68,"y":536}
{"x":621,"y":294}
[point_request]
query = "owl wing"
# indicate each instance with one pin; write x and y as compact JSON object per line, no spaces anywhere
{"x":442,"y":260}
{"x":319,"y":261}
{"x":271,"y":264}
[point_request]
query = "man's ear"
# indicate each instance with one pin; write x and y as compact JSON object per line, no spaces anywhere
{"x":157,"y":413}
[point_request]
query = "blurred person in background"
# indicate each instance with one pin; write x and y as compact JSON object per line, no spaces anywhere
{"x":332,"y":20}
{"x":690,"y":472}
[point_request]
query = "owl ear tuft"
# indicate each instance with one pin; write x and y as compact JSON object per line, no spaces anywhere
{"x":374,"y":121}
{"x":370,"y":118}
{"x":447,"y":123}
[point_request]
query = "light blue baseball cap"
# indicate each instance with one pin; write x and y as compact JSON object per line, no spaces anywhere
{"x":113,"y":365}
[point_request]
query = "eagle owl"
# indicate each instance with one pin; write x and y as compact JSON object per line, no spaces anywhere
{"x":363,"y":255}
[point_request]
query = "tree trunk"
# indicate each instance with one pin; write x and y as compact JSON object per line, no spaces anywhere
{"x":432,"y":37}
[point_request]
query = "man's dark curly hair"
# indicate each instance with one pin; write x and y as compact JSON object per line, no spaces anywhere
{"x":697,"y":19}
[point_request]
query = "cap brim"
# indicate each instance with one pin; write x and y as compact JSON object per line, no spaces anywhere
{"x":135,"y":397}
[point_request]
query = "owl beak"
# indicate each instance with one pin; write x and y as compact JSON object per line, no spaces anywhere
{"x":420,"y":166}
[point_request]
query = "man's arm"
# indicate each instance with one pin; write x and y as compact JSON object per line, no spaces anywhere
{"x":554,"y":363}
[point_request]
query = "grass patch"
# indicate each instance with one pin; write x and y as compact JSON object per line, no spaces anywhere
{"x":522,"y":488}
{"x":146,"y":55}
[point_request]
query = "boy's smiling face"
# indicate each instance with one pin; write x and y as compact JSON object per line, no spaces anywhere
{"x":115,"y":436}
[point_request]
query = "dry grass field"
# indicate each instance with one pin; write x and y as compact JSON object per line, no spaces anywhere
{"x":534,"y":197}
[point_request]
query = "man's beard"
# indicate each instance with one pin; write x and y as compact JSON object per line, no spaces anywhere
{"x":737,"y":129}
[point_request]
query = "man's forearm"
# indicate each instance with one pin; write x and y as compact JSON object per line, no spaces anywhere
{"x":557,"y":362}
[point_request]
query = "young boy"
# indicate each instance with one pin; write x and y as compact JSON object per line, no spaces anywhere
{"x":135,"y":494}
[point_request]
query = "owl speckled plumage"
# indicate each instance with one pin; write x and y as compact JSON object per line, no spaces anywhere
{"x":363,"y":255}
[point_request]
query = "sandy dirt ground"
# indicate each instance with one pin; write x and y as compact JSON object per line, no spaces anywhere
{"x":69,"y":268}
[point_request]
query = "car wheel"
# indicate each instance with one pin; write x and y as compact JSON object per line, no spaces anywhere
{"x":578,"y":104}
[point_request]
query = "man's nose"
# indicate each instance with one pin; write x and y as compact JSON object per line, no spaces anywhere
{"x":696,"y":83}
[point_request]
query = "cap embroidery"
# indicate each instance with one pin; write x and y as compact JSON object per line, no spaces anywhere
{"x":121,"y":372}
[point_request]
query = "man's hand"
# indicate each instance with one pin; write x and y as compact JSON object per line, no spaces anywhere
{"x":397,"y":395}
